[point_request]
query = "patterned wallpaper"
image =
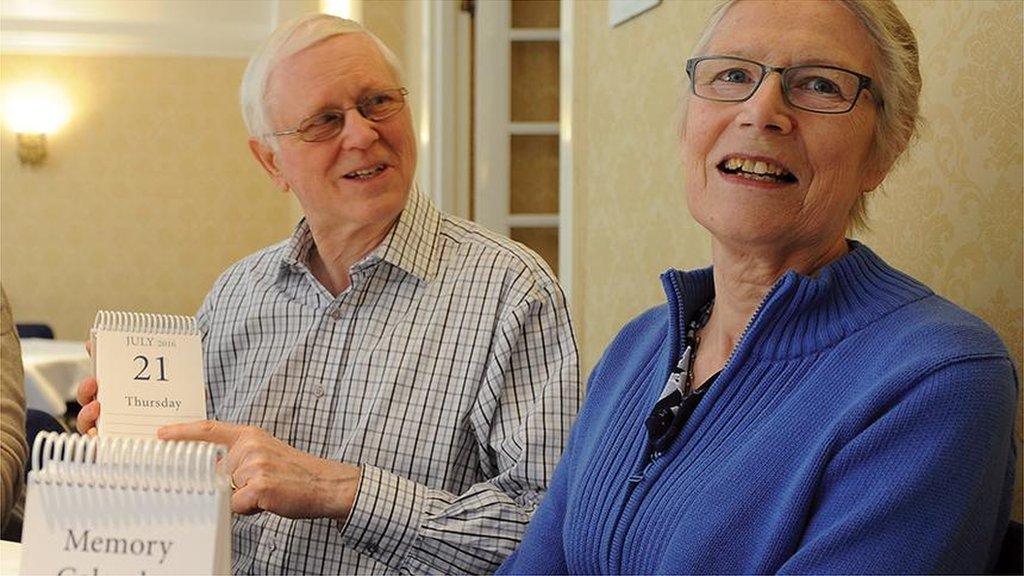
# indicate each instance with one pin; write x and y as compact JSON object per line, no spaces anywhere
{"x":148,"y":193}
{"x":950,"y":215}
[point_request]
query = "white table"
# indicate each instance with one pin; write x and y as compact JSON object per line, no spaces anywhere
{"x":53,"y":369}
{"x":10,"y":558}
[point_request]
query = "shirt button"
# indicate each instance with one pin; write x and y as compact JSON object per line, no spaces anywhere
{"x":336,"y":314}
{"x":371,"y":549}
{"x":272,"y":547}
{"x":318,"y":391}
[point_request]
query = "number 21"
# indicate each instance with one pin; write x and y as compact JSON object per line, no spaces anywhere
{"x":145,"y":365}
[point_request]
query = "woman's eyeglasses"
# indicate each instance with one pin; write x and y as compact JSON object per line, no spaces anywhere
{"x":822,"y":89}
{"x":325,"y":125}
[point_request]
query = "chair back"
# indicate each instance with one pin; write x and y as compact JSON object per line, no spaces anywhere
{"x":34,"y":331}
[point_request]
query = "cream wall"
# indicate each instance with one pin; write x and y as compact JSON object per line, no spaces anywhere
{"x":148,"y":194}
{"x":388,"y":20}
{"x":951,"y":215}
{"x":150,"y":191}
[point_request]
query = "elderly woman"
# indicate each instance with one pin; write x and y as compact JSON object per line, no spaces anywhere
{"x":800,"y":406}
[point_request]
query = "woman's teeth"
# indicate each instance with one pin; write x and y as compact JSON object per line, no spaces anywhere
{"x":364,"y":174}
{"x":757,"y":170}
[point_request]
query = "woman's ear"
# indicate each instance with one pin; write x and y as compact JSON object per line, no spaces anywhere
{"x":683,"y":110}
{"x":267,"y":158}
{"x":878,"y":169}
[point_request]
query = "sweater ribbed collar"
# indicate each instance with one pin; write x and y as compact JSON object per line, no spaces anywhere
{"x":802,"y":314}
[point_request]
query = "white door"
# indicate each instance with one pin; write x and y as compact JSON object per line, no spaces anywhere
{"x":522,"y":157}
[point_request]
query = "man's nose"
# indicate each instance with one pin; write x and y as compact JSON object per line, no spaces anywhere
{"x":767,"y":109}
{"x":358,"y":132}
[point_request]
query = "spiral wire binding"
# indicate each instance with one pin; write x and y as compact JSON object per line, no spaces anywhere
{"x":145,"y":323}
{"x":144,"y":464}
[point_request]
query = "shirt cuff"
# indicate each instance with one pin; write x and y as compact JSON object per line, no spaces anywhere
{"x":385,"y":516}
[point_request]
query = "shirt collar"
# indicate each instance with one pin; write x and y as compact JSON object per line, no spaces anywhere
{"x":411,"y":245}
{"x":296,"y":252}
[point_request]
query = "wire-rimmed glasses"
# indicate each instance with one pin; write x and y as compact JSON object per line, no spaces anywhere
{"x":376,"y":107}
{"x":815,"y":88}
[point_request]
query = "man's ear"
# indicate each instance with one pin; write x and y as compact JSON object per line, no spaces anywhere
{"x":267,"y":158}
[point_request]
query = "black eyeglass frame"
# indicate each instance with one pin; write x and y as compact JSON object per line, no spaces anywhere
{"x":864,"y":82}
{"x":299,"y":130}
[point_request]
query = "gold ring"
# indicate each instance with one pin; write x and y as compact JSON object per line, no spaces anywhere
{"x":233,"y":485}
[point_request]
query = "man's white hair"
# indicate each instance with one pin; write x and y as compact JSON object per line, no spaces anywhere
{"x":290,"y":38}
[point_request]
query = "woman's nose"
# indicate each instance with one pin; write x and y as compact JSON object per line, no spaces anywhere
{"x":767,"y":109}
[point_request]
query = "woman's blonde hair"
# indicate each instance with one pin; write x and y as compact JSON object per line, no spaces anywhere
{"x":896,"y":79}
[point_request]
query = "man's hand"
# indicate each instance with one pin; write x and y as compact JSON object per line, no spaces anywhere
{"x":85,"y":422}
{"x":271,"y":475}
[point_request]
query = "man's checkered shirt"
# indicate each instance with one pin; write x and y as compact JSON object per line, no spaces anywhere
{"x":448,"y":371}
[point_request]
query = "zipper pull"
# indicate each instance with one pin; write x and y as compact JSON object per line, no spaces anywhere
{"x":641,"y":472}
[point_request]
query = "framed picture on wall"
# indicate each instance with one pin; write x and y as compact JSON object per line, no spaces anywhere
{"x":620,"y":11}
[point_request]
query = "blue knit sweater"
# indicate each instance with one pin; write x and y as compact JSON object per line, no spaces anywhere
{"x":863,"y":424}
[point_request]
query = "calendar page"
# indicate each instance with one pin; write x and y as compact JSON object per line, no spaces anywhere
{"x":117,"y":505}
{"x":150,"y":372}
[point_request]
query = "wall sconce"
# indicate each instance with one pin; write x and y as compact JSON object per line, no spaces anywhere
{"x":32,"y":111}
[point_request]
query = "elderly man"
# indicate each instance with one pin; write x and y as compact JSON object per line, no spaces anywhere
{"x":395,"y":385}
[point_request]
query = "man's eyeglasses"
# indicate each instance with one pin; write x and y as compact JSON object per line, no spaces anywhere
{"x":325,"y":125}
{"x":822,"y":89}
